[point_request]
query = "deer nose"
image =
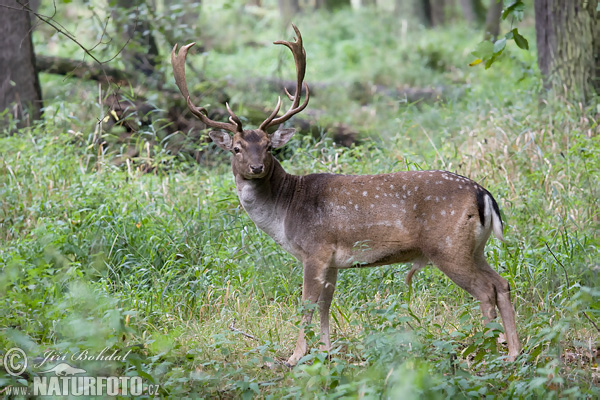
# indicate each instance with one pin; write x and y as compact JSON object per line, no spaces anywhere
{"x":257,"y":169}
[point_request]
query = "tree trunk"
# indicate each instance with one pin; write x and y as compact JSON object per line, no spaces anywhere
{"x":594,"y":10}
{"x":566,"y":34}
{"x":492,"y":20}
{"x":423,"y":12}
{"x":19,"y":84}
{"x":287,"y":10}
{"x":473,"y":11}
{"x":438,"y":10}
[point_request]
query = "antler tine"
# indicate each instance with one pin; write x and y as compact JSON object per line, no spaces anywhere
{"x":178,"y":63}
{"x":293,"y":111}
{"x":267,"y":121}
{"x":234,"y":118}
{"x":300,"y":60}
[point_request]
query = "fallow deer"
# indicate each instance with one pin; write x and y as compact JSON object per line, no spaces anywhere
{"x":331,"y":222}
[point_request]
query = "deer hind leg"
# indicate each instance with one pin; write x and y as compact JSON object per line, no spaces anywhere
{"x":507,"y":311}
{"x":315,"y":272}
{"x":481,"y":281}
{"x":324,"y":306}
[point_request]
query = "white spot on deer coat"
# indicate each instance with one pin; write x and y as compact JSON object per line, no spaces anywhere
{"x":448,"y":241}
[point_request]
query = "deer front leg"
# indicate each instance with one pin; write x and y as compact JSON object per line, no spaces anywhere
{"x":325,"y":305}
{"x":313,"y":283}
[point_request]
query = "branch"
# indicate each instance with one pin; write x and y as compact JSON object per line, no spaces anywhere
{"x":232,"y":328}
{"x":589,"y":319}
{"x":561,"y":264}
{"x":49,"y":20}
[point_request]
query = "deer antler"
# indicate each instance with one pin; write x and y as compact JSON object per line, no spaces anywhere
{"x":178,"y":62}
{"x":300,"y":60}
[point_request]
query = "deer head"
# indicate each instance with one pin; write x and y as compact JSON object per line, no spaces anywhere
{"x":251,"y":148}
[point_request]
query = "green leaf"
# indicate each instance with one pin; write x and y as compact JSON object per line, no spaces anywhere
{"x":499,"y":45}
{"x":520,"y":40}
{"x":468,"y":350}
{"x":516,"y":6}
{"x":484,"y":50}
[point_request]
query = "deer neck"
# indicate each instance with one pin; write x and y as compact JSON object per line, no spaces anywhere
{"x":266,"y":200}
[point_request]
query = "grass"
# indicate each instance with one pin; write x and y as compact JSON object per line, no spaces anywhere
{"x":167,"y":264}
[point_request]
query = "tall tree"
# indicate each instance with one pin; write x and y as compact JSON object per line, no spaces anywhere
{"x":19,"y":84}
{"x":438,"y":12}
{"x":287,"y":9}
{"x":492,"y":20}
{"x":567,"y":42}
{"x":473,"y":10}
{"x":423,"y":11}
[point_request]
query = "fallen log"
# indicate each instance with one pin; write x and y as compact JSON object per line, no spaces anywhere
{"x":359,"y":91}
{"x":81,"y":69}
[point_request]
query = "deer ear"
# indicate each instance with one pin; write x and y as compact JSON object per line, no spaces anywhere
{"x":221,"y":139}
{"x":280,"y":137}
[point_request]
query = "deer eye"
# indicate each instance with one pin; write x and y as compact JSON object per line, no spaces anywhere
{"x":236,"y":150}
